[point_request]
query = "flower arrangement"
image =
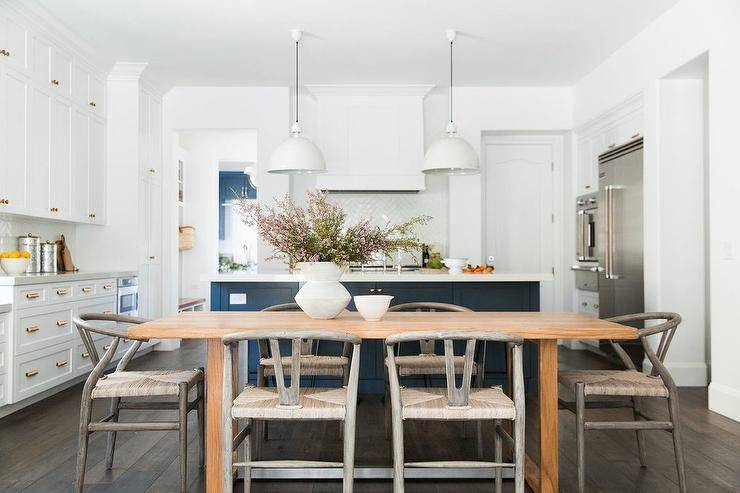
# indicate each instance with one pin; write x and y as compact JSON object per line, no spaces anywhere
{"x":318,"y":233}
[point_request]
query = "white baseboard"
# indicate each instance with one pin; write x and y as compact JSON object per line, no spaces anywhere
{"x":684,"y":374}
{"x":724,"y":400}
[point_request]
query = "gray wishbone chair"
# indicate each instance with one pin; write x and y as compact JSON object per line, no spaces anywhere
{"x":312,"y":364}
{"x":122,"y":385}
{"x":463,"y":403}
{"x":633,"y":384}
{"x":287,"y":403}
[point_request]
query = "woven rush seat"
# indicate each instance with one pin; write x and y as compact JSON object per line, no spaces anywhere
{"x":428,"y":364}
{"x":313,"y":403}
{"x":615,"y":382}
{"x":311,"y":365}
{"x":431,"y":403}
{"x":144,"y":383}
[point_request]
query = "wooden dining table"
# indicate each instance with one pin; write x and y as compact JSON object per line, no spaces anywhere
{"x":543,"y":327}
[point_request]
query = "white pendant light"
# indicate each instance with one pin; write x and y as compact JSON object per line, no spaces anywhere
{"x":451,"y":155}
{"x":296,"y":155}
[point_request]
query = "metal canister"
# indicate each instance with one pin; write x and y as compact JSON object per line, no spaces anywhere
{"x":32,"y":245}
{"x":49,"y":257}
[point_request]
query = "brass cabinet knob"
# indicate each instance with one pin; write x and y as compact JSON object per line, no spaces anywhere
{"x":108,"y":286}
{"x":54,"y":82}
{"x":85,"y":355}
{"x":92,"y":103}
{"x":61,"y":323}
{"x":60,"y":363}
{"x":4,"y":53}
{"x":54,"y":209}
{"x":32,"y":328}
{"x":151,"y":257}
{"x":152,"y":170}
{"x":3,"y":201}
{"x":32,"y":373}
{"x":62,"y":292}
{"x":32,"y":295}
{"x":86,"y":289}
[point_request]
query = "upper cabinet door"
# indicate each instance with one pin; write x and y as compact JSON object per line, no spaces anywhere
{"x":61,"y":72}
{"x":41,"y":61}
{"x":13,"y":142}
{"x":80,"y":165}
{"x":96,"y":95}
{"x":39,"y":153}
{"x":155,"y":137}
{"x":98,"y":178}
{"x":61,"y":160}
{"x":13,"y":44}
{"x":146,"y":169}
{"x":80,"y":89}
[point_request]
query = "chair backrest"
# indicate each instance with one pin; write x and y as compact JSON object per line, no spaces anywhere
{"x":427,"y":346}
{"x":288,"y":395}
{"x":458,"y":396}
{"x":307,"y":347}
{"x":107,"y":324}
{"x":667,"y":329}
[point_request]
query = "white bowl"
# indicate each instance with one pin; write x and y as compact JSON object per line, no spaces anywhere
{"x":372,"y":307}
{"x":14,"y":266}
{"x":455,"y":264}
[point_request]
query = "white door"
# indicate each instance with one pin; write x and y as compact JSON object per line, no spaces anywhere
{"x":61,"y":160}
{"x":13,"y":142}
{"x":14,"y":43}
{"x":98,"y":178}
{"x":519,"y":210}
{"x":39,"y":153}
{"x":80,"y":165}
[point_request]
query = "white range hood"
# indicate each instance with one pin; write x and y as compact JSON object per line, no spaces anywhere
{"x":372,"y":137}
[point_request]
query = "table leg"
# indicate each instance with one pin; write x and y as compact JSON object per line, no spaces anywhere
{"x":548,"y":401}
{"x":214,"y":397}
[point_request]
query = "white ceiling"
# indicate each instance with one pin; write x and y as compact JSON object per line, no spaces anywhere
{"x":246,"y":42}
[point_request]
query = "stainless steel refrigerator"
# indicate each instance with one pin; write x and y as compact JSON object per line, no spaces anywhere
{"x":619,"y":242}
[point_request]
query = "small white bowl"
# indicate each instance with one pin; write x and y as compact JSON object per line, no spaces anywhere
{"x":455,"y":265}
{"x":372,"y":307}
{"x":14,"y":266}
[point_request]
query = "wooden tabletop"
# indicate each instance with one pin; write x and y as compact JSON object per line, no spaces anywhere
{"x":529,"y":325}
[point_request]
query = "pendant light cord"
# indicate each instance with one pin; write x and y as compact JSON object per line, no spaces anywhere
{"x":296,"y":82}
{"x":450,"y":98}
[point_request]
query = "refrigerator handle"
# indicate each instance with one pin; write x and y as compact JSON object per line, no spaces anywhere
{"x":610,"y":274}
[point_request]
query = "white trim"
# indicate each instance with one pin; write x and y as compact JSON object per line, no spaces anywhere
{"x":724,"y":400}
{"x":557,"y":140}
{"x":127,"y":71}
{"x":369,"y":89}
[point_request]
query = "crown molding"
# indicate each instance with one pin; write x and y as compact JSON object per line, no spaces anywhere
{"x":127,"y":71}
{"x":360,"y":90}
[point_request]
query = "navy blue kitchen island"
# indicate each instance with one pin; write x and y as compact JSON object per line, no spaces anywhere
{"x":234,"y":292}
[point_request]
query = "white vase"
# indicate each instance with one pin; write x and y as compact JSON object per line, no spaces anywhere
{"x":322,"y":297}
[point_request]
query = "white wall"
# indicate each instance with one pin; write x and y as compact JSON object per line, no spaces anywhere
{"x":11,"y":227}
{"x":264,"y":109}
{"x":680,"y":35}
{"x":205,"y":148}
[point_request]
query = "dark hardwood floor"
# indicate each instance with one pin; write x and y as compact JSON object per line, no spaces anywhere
{"x":38,"y":446}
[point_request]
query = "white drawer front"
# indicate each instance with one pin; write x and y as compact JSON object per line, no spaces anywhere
{"x":82,"y":359}
{"x":42,"y":327}
{"x":85,"y":290}
{"x":60,"y":293}
{"x":41,"y":370}
{"x":105,"y":287}
{"x":3,"y":358}
{"x":4,"y":317}
{"x":30,"y":296}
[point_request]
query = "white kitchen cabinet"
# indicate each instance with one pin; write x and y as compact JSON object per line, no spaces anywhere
{"x":13,"y":141}
{"x":150,"y":135}
{"x":97,"y":201}
{"x":13,"y":44}
{"x":39,"y":153}
{"x":61,"y":160}
{"x":616,"y":127}
{"x":80,"y":165}
{"x":96,"y":95}
{"x":80,"y":86}
{"x":61,"y":72}
{"x":41,"y":61}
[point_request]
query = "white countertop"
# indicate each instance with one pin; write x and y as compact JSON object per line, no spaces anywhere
{"x":25,"y":279}
{"x":383,"y":277}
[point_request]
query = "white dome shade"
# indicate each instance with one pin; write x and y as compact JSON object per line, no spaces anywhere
{"x":451,"y":155}
{"x":296,"y":155}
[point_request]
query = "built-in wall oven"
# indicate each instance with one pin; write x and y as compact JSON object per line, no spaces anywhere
{"x":128,"y":296}
{"x":586,"y":268}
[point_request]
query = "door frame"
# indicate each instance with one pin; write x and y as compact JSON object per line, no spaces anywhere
{"x":557,"y":141}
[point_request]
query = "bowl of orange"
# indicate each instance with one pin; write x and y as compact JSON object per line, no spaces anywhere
{"x":14,"y":263}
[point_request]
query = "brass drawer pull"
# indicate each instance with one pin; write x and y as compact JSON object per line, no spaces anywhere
{"x":4,"y":53}
{"x":60,"y":363}
{"x":54,"y":82}
{"x":32,"y":328}
{"x":85,"y":355}
{"x":108,"y":286}
{"x":62,"y":292}
{"x":31,"y":373}
{"x":92,"y":103}
{"x":635,"y":135}
{"x":152,"y":170}
{"x":108,"y":312}
{"x":86,"y":289}
{"x":60,"y":323}
{"x":106,"y":347}
{"x":32,"y":296}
